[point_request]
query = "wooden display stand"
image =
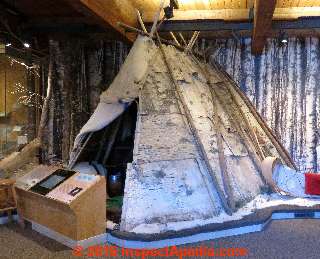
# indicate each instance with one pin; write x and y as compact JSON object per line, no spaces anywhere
{"x":76,"y":208}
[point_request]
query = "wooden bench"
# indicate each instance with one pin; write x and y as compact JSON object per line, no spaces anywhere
{"x":7,"y":197}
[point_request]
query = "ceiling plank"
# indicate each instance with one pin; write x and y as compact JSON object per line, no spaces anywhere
{"x":207,"y":4}
{"x":217,"y":4}
{"x":228,"y":4}
{"x":263,"y":13}
{"x":218,"y":14}
{"x":315,"y":3}
{"x":250,"y":3}
{"x":305,"y":3}
{"x":142,"y":5}
{"x":199,"y":5}
{"x":109,"y":13}
{"x":295,"y":13}
{"x":294,"y":3}
{"x":237,"y":14}
{"x":281,"y":3}
{"x":243,"y":4}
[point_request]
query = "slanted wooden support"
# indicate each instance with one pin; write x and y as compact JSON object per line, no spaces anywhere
{"x":184,"y":110}
{"x":143,"y":27}
{"x":231,"y":115}
{"x":248,"y":125}
{"x":263,"y":13}
{"x":193,"y":40}
{"x":111,"y":140}
{"x":222,"y":158}
{"x":156,"y":19}
{"x":182,"y":38}
{"x":135,"y":30}
{"x":274,"y":140}
{"x":78,"y":151}
{"x":174,"y":38}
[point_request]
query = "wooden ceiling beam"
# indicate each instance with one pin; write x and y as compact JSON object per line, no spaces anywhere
{"x":295,"y":13}
{"x":263,"y":13}
{"x":218,"y":14}
{"x":109,"y":13}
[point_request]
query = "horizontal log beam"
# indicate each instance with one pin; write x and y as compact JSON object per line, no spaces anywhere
{"x":237,"y":14}
{"x":213,"y":25}
{"x":205,"y":25}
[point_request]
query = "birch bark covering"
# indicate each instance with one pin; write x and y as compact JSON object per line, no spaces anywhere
{"x":283,"y":85}
{"x":79,"y":72}
{"x":198,"y":143}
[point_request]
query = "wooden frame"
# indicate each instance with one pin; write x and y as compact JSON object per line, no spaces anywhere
{"x":7,"y":197}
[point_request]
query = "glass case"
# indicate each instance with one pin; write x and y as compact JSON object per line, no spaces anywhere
{"x":13,"y":109}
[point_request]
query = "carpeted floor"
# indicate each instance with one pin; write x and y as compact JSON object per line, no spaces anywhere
{"x":282,"y":239}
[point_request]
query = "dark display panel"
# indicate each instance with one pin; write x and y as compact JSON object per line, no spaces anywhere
{"x":52,"y":181}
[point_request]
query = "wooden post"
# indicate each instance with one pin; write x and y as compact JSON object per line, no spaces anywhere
{"x":193,"y":40}
{"x":282,"y":151}
{"x":263,"y":13}
{"x":8,"y":200}
{"x":222,"y":159}
{"x":156,"y":19}
{"x":231,"y":115}
{"x":141,"y":22}
{"x":132,"y":29}
{"x":182,"y":38}
{"x":174,"y":38}
{"x":193,"y":130}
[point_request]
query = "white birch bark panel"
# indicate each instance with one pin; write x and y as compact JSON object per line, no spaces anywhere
{"x":163,"y":137}
{"x":160,"y":193}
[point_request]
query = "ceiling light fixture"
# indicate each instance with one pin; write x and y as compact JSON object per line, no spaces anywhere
{"x":168,"y":11}
{"x":283,"y":38}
